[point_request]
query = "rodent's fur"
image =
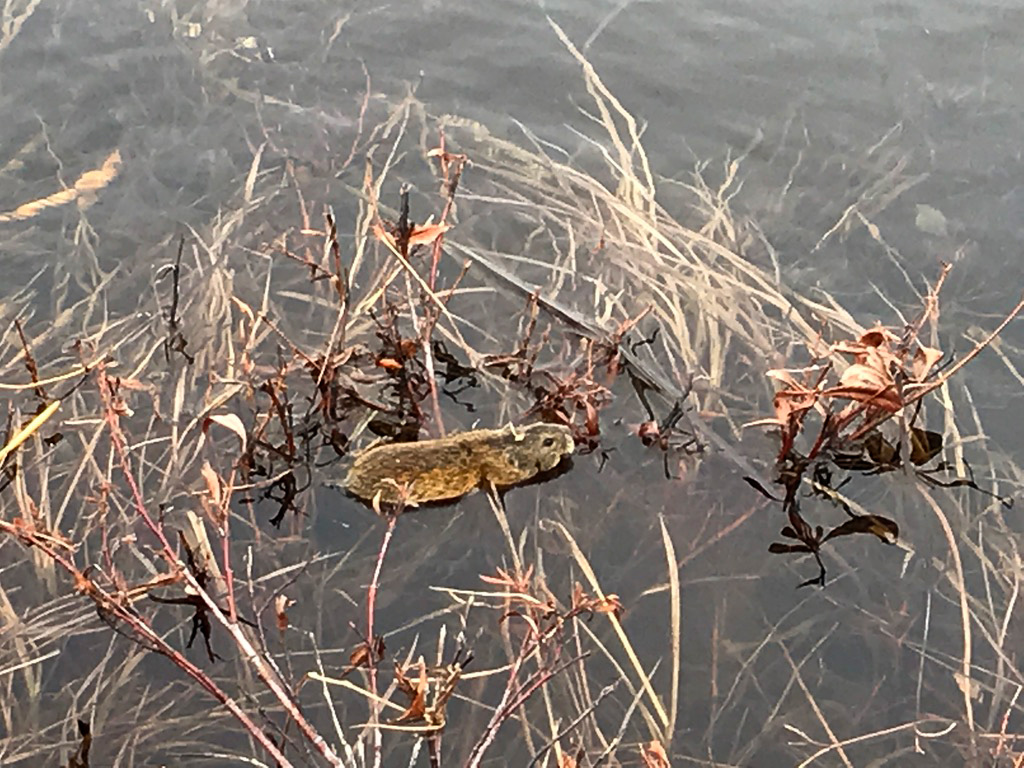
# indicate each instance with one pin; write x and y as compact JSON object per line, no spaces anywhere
{"x":452,"y":466}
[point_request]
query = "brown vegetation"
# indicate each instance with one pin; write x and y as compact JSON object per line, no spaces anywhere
{"x":164,"y":472}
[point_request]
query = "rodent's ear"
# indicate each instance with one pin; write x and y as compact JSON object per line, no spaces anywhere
{"x":517,"y":435}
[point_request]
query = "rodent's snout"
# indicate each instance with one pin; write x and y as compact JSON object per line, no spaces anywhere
{"x":561,"y":441}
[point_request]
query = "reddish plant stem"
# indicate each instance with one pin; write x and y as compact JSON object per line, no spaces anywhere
{"x":451,"y":181}
{"x":522,"y":694}
{"x":501,"y":711}
{"x":251,"y":654}
{"x":111,"y":604}
{"x":516,"y":694}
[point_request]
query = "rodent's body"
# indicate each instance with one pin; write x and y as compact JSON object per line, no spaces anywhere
{"x":452,"y":466}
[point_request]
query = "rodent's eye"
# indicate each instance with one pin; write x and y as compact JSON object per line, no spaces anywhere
{"x":548,"y":442}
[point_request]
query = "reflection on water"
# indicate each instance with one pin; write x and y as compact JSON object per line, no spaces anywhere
{"x":855,"y":146}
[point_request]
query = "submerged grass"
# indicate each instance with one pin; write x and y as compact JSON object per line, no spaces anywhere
{"x":146,"y":451}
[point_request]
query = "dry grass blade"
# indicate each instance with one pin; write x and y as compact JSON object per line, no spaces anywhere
{"x":14,"y":19}
{"x":675,"y":627}
{"x":965,"y":613}
{"x":627,"y":646}
{"x":83,"y":191}
{"x":28,"y":430}
{"x":640,"y":193}
{"x":305,"y":344}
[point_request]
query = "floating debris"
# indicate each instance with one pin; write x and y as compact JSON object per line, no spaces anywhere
{"x":83,"y":191}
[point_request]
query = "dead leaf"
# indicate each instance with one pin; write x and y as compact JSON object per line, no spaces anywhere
{"x":968,"y":685}
{"x":874,"y":349}
{"x":609,"y":604}
{"x":281,"y":605}
{"x":198,"y":541}
{"x":788,"y":375}
{"x":246,"y":309}
{"x":213,"y":484}
{"x":778,"y":548}
{"x":925,"y":445}
{"x":425,"y":235}
{"x":867,"y":384}
{"x":882,"y":527}
{"x":216,"y":504}
{"x":878,"y":337}
{"x":861,"y":376}
{"x":881,"y":451}
{"x":364,"y":655}
{"x":581,"y":601}
{"x":793,"y":403}
{"x":925,"y":358}
{"x":654,"y":756}
{"x":420,"y":235}
{"x":228,"y":421}
{"x":417,"y":693}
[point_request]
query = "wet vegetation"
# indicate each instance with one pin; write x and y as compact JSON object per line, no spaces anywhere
{"x":183,"y":583}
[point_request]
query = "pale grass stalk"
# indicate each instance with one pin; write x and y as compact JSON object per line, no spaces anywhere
{"x":639,"y":193}
{"x":584,"y":685}
{"x":638,"y":691}
{"x":915,"y":725}
{"x":498,"y":507}
{"x":505,"y":708}
{"x":814,"y":704}
{"x":627,"y":646}
{"x":613,"y":745}
{"x":434,"y":299}
{"x":428,"y":355}
{"x":572,"y":726}
{"x":920,"y":668}
{"x":675,"y":629}
{"x":371,"y":604}
{"x":964,"y":682}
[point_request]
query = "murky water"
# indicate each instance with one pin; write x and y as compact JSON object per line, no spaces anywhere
{"x":873,"y":140}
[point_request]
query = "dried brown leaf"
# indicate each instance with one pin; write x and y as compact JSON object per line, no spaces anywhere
{"x":417,"y":693}
{"x":867,"y":384}
{"x":654,"y":756}
{"x":793,"y":403}
{"x":213,"y":483}
{"x":609,"y":604}
{"x":281,"y":605}
{"x":925,"y":358}
{"x":420,"y":235}
{"x":427,"y":234}
{"x":228,"y":421}
{"x":882,"y":527}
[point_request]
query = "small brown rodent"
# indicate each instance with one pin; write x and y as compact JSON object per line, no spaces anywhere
{"x":452,"y":466}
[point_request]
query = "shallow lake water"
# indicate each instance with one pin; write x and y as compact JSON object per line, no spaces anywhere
{"x":872,"y":141}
